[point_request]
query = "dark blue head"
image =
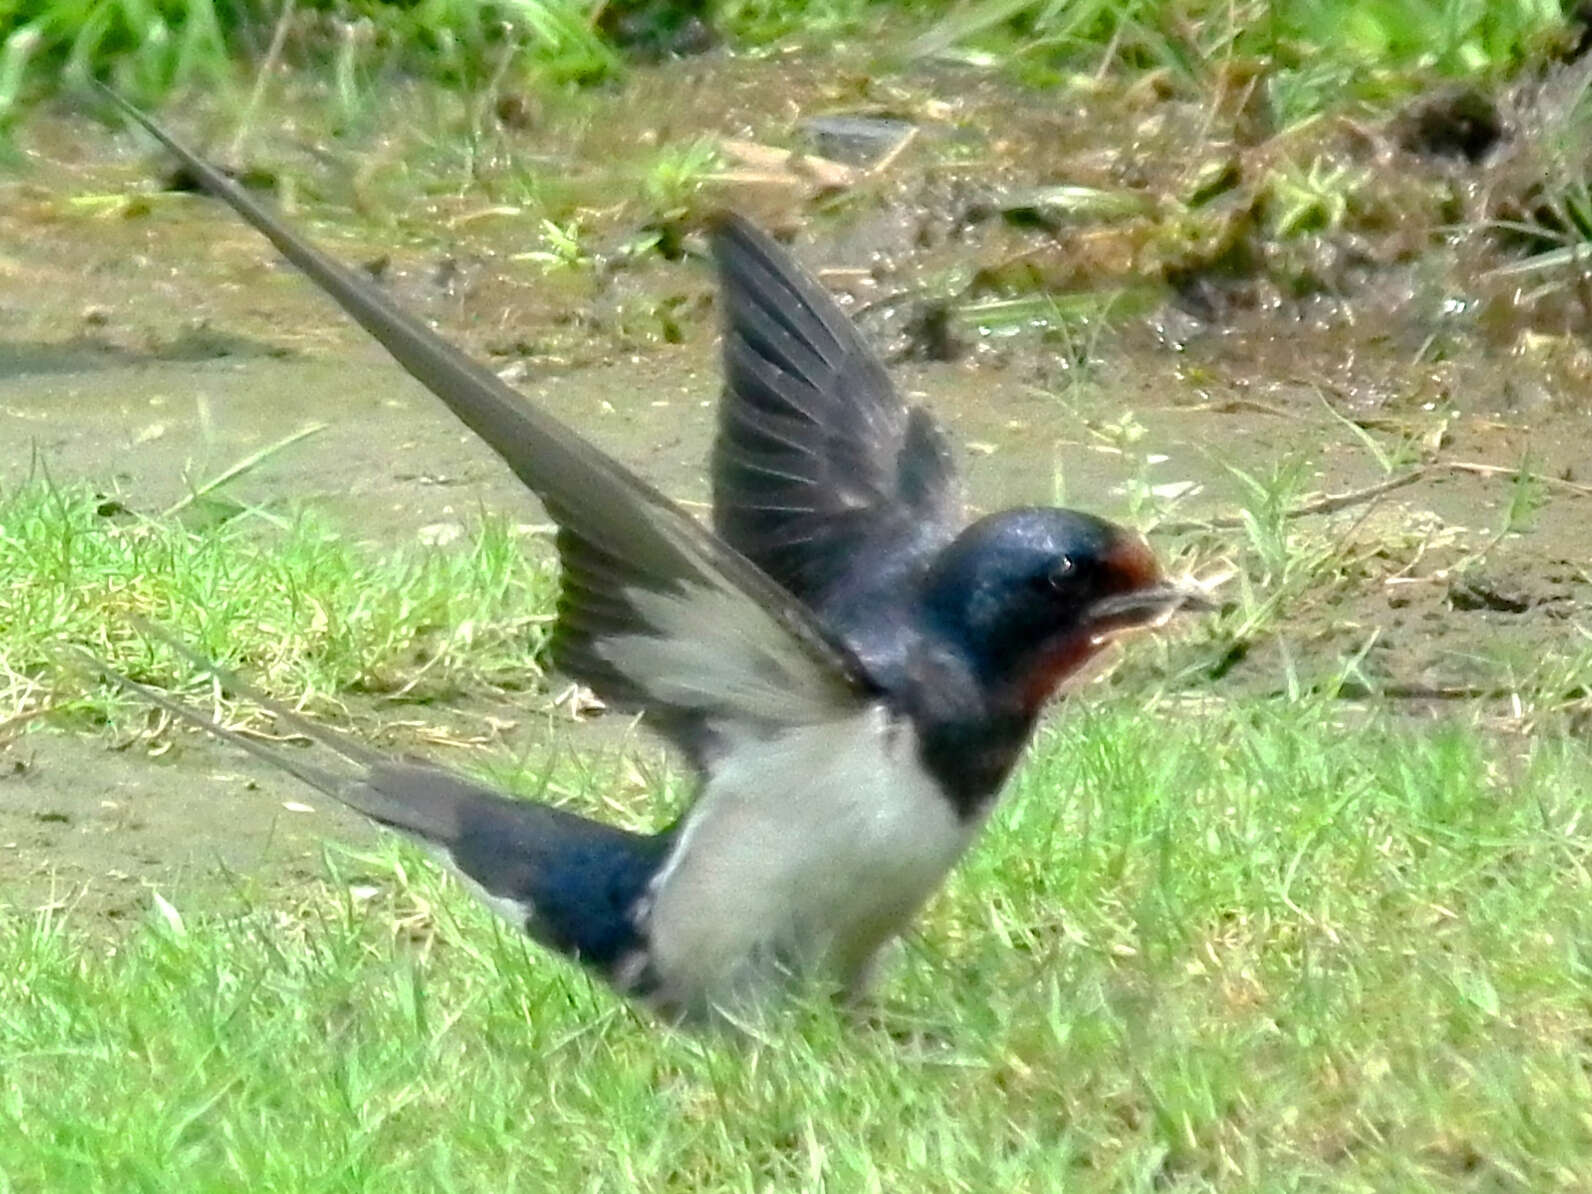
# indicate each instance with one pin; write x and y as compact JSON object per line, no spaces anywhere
{"x":1028,"y":595}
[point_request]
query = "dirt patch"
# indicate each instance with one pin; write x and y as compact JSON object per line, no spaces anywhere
{"x":86,"y":825}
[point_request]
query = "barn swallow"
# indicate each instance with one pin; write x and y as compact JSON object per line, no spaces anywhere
{"x":851,"y":668}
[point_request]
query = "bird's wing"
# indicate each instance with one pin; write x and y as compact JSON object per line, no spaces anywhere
{"x":818,"y":463}
{"x":568,"y":881}
{"x":656,"y":612}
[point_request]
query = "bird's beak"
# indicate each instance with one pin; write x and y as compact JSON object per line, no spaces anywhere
{"x":1151,"y":605}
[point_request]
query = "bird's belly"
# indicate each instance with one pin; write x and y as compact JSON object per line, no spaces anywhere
{"x":808,"y":850}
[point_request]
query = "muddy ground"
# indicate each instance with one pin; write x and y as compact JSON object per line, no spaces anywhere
{"x":148,"y":339}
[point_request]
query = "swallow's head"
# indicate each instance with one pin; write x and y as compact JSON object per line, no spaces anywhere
{"x":1029,"y":595}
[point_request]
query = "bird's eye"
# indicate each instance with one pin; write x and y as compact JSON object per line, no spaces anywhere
{"x":1062,"y":572}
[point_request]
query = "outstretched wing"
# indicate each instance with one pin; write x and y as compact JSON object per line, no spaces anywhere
{"x":656,"y":611}
{"x":819,"y":467}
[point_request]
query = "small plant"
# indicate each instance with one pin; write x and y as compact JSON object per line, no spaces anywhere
{"x":1314,"y":199}
{"x":1527,"y":495}
{"x":1281,"y":559}
{"x":564,"y":249}
{"x":675,"y":176}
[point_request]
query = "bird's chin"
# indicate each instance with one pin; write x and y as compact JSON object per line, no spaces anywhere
{"x":1145,"y":608}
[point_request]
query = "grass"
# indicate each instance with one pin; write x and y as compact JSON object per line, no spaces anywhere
{"x":1285,"y":944}
{"x":1240,"y":947}
{"x":1223,"y":944}
{"x":1308,"y":54}
{"x":289,"y":598}
{"x":1312,"y":50}
{"x":150,"y":47}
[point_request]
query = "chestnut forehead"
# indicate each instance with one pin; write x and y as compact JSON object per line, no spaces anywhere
{"x":1130,"y":562}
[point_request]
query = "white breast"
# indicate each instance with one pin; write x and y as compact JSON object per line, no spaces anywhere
{"x":810,"y":848}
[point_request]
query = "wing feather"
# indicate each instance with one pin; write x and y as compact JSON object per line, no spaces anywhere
{"x":818,"y":463}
